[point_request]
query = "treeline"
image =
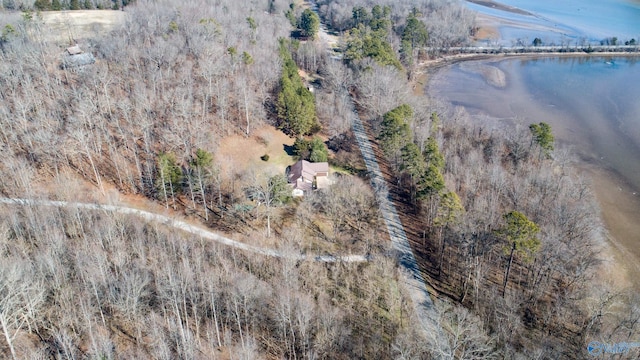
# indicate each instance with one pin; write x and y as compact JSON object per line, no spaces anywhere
{"x":296,"y":104}
{"x":388,"y":32}
{"x":57,"y":5}
{"x":447,"y":23}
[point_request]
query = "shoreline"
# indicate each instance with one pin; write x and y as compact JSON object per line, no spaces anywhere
{"x":430,"y":65}
{"x":620,"y":252}
{"x":498,"y":6}
{"x":618,"y":209}
{"x":619,"y":213}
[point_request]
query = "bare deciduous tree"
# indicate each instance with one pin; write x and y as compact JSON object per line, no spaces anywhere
{"x":20,"y":300}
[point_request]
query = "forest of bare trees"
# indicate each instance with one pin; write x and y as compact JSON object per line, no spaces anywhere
{"x":537,"y":294}
{"x":147,"y":118}
{"x":534,"y":282}
{"x":106,"y":286}
{"x":146,"y":121}
{"x":448,"y":23}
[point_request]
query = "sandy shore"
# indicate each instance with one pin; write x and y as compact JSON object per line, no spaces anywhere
{"x":620,"y":211}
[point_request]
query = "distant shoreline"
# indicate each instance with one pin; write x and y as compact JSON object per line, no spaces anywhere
{"x":498,"y":6}
{"x":431,"y":65}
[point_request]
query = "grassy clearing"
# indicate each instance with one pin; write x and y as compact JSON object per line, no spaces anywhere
{"x":69,"y":26}
{"x":241,"y":154}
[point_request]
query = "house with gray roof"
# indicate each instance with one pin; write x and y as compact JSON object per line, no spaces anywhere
{"x":74,"y":58}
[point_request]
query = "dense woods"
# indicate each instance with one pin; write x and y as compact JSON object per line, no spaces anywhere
{"x":503,"y":224}
{"x":57,"y":5}
{"x":447,"y":23}
{"x":506,"y":232}
{"x":107,"y":286}
{"x":147,"y":118}
{"x":165,"y":81}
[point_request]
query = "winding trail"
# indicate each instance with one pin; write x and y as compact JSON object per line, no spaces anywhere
{"x":186,"y":227}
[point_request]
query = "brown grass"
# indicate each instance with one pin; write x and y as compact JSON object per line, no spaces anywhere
{"x":487,"y":28}
{"x":70,"y":26}
{"x":238,"y":153}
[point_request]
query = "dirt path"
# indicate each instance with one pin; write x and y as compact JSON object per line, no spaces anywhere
{"x":410,"y":273}
{"x":186,"y":227}
{"x":409,"y":269}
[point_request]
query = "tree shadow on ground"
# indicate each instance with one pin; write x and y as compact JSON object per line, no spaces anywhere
{"x":289,"y":149}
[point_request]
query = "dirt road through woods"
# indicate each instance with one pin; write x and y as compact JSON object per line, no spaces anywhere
{"x":186,"y":227}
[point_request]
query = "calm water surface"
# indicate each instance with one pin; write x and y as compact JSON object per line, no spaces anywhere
{"x":569,"y":20}
{"x":593,"y":103}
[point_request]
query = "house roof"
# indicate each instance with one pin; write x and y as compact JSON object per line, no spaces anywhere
{"x":303,"y":185}
{"x":74,"y":50}
{"x":73,"y":61}
{"x":307,"y":170}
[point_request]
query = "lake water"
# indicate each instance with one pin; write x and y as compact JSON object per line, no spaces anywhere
{"x":591,"y":102}
{"x":567,"y":20}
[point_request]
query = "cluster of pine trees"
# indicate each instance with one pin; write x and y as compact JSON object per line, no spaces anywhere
{"x":368,"y":38}
{"x":296,"y":104}
{"x":422,"y":167}
{"x":196,"y":180}
{"x":433,"y":23}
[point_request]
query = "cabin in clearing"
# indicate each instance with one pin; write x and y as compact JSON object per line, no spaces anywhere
{"x":306,"y":176}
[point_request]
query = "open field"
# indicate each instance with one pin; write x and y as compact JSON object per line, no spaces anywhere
{"x":238,"y":153}
{"x":71,"y":25}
